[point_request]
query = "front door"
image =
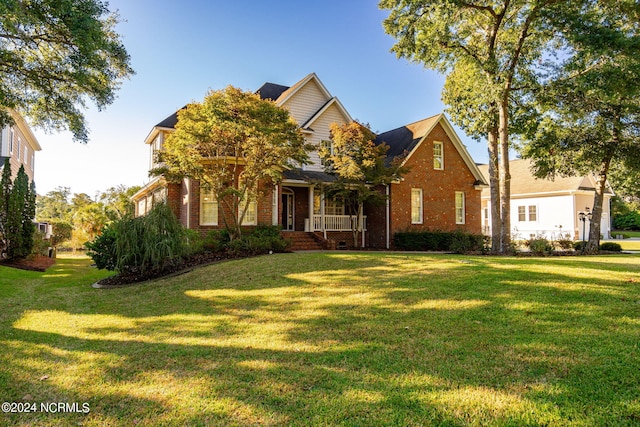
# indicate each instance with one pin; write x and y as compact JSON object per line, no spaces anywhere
{"x":287,"y":212}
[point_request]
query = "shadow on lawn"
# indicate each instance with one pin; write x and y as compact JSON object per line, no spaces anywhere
{"x":353,"y":339}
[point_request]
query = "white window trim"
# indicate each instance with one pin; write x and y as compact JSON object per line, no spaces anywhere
{"x":463,"y":207}
{"x":535,"y":207}
{"x":420,"y":207}
{"x":441,"y":156}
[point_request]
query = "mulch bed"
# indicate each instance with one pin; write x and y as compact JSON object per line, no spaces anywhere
{"x":172,"y":269}
{"x":36,"y":263}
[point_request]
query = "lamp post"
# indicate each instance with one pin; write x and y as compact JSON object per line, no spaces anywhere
{"x":584,"y":216}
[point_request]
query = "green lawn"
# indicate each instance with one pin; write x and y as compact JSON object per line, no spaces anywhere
{"x":357,"y":339}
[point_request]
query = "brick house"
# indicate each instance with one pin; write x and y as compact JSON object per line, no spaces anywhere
{"x":441,"y":191}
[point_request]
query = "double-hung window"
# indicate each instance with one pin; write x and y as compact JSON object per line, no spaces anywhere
{"x":251,"y":213}
{"x":208,"y":208}
{"x":416,"y":206}
{"x":438,"y":155}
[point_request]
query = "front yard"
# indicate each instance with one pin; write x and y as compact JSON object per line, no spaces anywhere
{"x":357,"y":339}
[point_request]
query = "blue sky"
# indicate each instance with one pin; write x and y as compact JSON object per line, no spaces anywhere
{"x":180,"y":50}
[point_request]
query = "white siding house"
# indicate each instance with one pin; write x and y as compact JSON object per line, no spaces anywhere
{"x":548,"y":208}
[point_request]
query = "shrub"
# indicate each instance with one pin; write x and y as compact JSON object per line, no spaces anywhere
{"x":611,"y":247}
{"x":579,"y":245}
{"x":103,"y":249}
{"x":457,"y":241}
{"x":539,"y":246}
{"x":263,"y":239}
{"x":216,"y":240}
{"x":564,"y":244}
{"x":629,"y":221}
{"x":141,"y":245}
{"x":194,"y":242}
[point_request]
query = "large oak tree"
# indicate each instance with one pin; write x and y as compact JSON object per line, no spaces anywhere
{"x":488,"y":49}
{"x":56,"y":54}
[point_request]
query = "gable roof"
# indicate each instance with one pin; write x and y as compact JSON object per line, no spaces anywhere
{"x":523,"y":182}
{"x":405,"y":140}
{"x":333,"y":101}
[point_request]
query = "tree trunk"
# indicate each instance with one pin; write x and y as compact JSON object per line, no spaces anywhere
{"x":505,"y":179}
{"x":494,"y":188}
{"x":593,"y":245}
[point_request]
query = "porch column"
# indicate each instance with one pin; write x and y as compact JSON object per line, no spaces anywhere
{"x":324,"y":228}
{"x":311,"y":224}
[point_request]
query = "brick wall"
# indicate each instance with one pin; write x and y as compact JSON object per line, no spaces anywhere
{"x":438,"y":190}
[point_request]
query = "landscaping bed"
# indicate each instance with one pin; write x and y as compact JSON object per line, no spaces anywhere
{"x":34,"y":263}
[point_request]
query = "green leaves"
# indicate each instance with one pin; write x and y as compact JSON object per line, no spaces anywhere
{"x":54,"y":54}
{"x":234,"y":143}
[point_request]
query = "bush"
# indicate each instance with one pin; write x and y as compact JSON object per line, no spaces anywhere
{"x":611,"y":247}
{"x":455,"y":241}
{"x":103,"y":249}
{"x":539,"y":246}
{"x":579,"y":245}
{"x":141,"y":245}
{"x":629,"y":221}
{"x":263,"y":239}
{"x":564,"y":244}
{"x":216,"y":240}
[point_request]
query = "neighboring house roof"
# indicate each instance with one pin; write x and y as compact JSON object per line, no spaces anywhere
{"x":405,"y":140}
{"x":524,"y":183}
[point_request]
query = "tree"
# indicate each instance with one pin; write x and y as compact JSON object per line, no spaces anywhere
{"x":117,"y":201}
{"x":5,"y":195}
{"x":496,"y":43}
{"x":54,"y":206}
{"x":54,"y":54}
{"x":232,"y":142}
{"x":360,"y":167}
{"x":17,"y":211}
{"x":90,"y":219}
{"x":590,"y":108}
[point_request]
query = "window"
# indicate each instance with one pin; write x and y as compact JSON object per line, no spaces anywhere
{"x":18,"y":149}
{"x":532,"y":212}
{"x":327,"y":147}
{"x":208,"y":208}
{"x":522,"y":214}
{"x":460,"y":207}
{"x":251,"y":214}
{"x":331,"y":206}
{"x":438,"y":155}
{"x":416,"y":206}
{"x":11,"y":141}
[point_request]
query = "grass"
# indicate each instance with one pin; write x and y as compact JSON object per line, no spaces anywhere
{"x":355,"y":339}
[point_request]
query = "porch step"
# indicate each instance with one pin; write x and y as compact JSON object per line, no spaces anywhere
{"x":303,"y":241}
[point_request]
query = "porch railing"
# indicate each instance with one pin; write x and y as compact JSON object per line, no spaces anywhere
{"x":336,"y":222}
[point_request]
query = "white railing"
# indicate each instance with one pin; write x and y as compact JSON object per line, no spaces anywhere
{"x":336,"y":223}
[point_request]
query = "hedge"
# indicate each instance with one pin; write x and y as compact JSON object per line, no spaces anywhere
{"x":450,"y":241}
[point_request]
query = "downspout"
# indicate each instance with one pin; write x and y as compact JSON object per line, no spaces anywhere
{"x":388,"y":210}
